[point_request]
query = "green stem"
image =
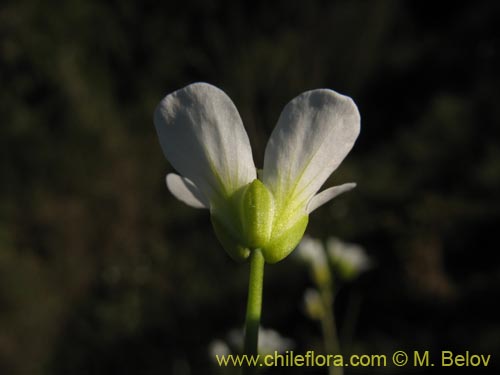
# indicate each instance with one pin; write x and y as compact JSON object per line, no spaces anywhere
{"x":328,"y":324}
{"x":254,"y":307}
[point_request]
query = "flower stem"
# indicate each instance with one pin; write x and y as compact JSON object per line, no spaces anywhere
{"x":254,"y":307}
{"x":329,"y":327}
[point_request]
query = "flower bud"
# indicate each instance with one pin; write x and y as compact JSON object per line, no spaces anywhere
{"x":313,"y":304}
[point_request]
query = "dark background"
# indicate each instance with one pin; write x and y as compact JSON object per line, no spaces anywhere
{"x":102,"y":271}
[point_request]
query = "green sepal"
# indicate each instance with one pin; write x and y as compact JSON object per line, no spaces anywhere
{"x":256,"y":210}
{"x":285,"y":242}
{"x":248,"y":220}
{"x":233,"y":247}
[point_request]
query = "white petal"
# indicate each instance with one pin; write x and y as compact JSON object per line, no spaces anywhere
{"x":315,"y":132}
{"x":202,"y":136}
{"x":327,"y":195}
{"x":185,"y":191}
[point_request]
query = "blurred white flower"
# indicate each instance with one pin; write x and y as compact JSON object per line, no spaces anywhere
{"x":349,"y":259}
{"x":202,"y":136}
{"x":218,"y":348}
{"x":313,"y":304}
{"x":269,"y":341}
{"x":312,"y":252}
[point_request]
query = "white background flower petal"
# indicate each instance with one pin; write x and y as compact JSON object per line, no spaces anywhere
{"x":311,"y":251}
{"x":314,"y":133}
{"x":202,"y":136}
{"x":352,"y":255}
{"x":327,"y":195}
{"x":185,"y":191}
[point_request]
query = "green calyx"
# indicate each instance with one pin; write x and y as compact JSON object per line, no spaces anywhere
{"x":250,"y":220}
{"x":256,"y":211}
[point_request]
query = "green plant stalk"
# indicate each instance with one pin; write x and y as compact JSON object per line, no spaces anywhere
{"x":254,"y":307}
{"x":328,"y":325}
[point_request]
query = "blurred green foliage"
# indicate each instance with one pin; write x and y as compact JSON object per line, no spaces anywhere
{"x":102,"y":271}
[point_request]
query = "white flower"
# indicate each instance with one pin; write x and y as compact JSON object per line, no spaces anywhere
{"x":313,"y":304}
{"x":218,"y":348}
{"x":202,"y":136}
{"x":350,"y":259}
{"x":269,"y":341}
{"x":312,"y":251}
